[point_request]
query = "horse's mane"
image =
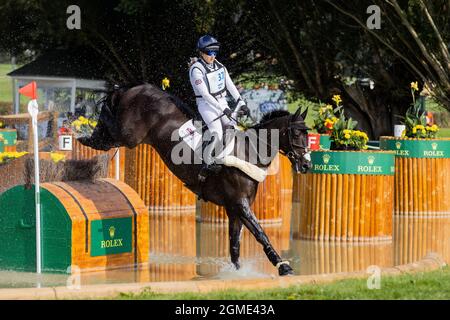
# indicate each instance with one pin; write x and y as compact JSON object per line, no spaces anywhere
{"x":113,"y":95}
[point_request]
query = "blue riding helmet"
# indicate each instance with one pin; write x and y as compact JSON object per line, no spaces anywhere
{"x":208,"y":44}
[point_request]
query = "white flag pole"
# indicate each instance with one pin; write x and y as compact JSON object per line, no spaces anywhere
{"x":33,"y":111}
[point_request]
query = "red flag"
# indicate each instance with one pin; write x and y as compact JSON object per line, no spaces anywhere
{"x":30,"y":90}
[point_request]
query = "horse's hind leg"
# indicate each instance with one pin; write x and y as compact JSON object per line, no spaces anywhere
{"x":234,"y":232}
{"x":248,"y":218}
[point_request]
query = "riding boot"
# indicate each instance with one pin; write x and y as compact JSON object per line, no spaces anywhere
{"x":209,"y":164}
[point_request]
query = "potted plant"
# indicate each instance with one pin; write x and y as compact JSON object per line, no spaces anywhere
{"x":422,"y":163}
{"x":325,"y":121}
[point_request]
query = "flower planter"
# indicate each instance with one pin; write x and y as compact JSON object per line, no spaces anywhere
{"x":422,"y":179}
{"x":348,"y":196}
{"x":9,"y":137}
{"x":325,"y":141}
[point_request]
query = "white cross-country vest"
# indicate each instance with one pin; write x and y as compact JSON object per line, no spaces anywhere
{"x":215,"y":79}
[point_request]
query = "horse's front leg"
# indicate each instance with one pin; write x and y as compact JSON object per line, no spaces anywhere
{"x":234,"y":232}
{"x":248,"y":218}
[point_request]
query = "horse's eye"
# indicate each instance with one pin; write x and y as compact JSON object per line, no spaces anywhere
{"x":297,"y":132}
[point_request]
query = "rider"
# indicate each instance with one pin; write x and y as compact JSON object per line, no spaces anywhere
{"x":211,"y":81}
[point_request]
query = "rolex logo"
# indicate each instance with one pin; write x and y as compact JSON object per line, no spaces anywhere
{"x":398,"y":145}
{"x":370,"y":159}
{"x":434,"y":145}
{"x":112,"y":232}
{"x":326,"y":158}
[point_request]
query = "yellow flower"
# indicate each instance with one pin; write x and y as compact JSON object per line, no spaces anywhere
{"x":434,"y":127}
{"x":329,"y":107}
{"x":403,"y":133}
{"x":165,"y":83}
{"x":423,"y":131}
{"x":414,"y":130}
{"x":420,"y":127}
{"x":334,"y":119}
{"x":337,"y":99}
{"x":415,"y":86}
{"x":56,"y":157}
{"x":347,"y":136}
{"x":346,"y":131}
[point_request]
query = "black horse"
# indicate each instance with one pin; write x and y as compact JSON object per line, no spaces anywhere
{"x":145,"y":114}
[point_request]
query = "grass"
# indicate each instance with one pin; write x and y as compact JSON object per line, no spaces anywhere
{"x":434,"y":285}
{"x":5,"y":83}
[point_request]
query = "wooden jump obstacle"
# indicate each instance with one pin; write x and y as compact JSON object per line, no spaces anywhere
{"x":416,"y":236}
{"x":151,"y":178}
{"x":95,"y":226}
{"x":80,"y":152}
{"x":422,"y":179}
{"x":347,"y":196}
{"x":319,"y":257}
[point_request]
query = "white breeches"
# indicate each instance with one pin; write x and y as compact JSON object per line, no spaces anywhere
{"x":209,"y":113}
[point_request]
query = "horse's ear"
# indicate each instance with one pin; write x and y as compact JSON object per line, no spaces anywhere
{"x":297,"y":113}
{"x":304,"y":114}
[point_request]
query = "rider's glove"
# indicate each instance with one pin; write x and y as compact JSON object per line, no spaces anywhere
{"x":228,"y":112}
{"x":244,"y":111}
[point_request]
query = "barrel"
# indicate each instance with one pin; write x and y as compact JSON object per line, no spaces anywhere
{"x":416,"y":236}
{"x":347,"y":196}
{"x":94,"y":226}
{"x":422,"y":180}
{"x":321,"y":257}
{"x":154,"y":182}
{"x":9,"y":137}
{"x":81,"y":152}
{"x":266,"y":205}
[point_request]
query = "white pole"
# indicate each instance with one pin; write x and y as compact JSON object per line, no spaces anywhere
{"x":117,"y":164}
{"x":33,"y":110}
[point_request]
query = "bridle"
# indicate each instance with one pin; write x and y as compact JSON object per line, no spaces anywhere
{"x":292,"y":153}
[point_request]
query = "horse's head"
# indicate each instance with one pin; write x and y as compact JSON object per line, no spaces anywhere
{"x":294,"y":142}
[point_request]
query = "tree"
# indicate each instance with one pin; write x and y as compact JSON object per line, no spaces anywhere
{"x":327,"y":48}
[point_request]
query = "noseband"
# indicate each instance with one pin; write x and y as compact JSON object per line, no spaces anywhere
{"x":292,"y":153}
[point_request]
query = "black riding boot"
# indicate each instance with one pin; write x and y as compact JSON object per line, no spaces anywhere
{"x":209,"y":164}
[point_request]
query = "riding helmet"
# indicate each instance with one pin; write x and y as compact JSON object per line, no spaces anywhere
{"x":207,"y":43}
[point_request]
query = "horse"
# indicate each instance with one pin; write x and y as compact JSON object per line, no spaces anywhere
{"x":144,"y":114}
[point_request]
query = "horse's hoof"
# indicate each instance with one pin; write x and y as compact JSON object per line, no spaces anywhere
{"x":284,"y":270}
{"x":237,"y":265}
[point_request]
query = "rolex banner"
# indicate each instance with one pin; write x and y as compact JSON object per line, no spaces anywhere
{"x":417,"y":148}
{"x":111,"y":236}
{"x":353,"y":162}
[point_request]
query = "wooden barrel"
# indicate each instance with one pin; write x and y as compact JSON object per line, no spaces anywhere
{"x":154,"y":182}
{"x":348,"y":196}
{"x":80,"y":152}
{"x":214,"y":256}
{"x":416,"y":236}
{"x":94,"y":226}
{"x":422,"y":180}
{"x":266,"y":205}
{"x":320,"y":257}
